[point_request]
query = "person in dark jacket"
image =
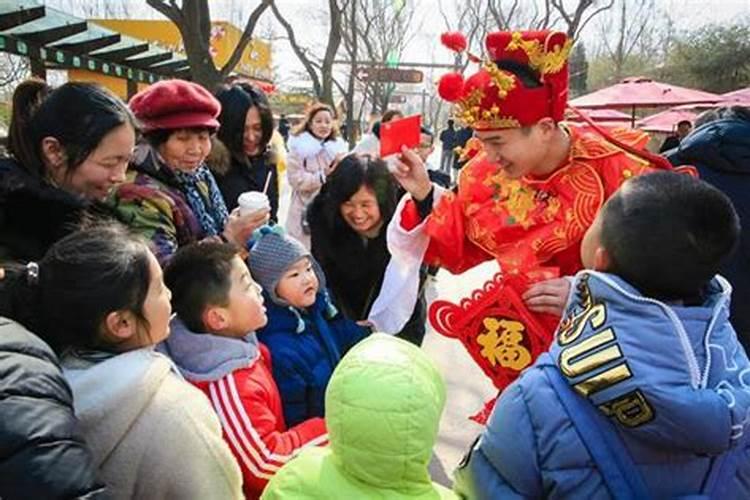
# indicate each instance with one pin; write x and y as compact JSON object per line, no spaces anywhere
{"x":348,"y":224}
{"x":244,"y":160}
{"x":683,"y":129}
{"x":42,"y":452}
{"x":306,"y":335}
{"x":720,"y":150}
{"x":69,"y":147}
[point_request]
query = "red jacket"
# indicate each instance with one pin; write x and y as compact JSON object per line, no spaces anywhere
{"x":249,"y":407}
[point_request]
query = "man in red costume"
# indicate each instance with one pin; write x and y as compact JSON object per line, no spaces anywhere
{"x":525,"y":199}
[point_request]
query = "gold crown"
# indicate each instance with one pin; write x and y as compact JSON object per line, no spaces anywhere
{"x":470,"y":111}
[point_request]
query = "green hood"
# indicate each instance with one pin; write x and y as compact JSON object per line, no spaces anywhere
{"x":383,"y":407}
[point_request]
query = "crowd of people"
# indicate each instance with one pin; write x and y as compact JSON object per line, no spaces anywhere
{"x":166,"y":332}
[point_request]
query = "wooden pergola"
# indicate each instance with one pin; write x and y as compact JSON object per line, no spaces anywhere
{"x":52,"y":39}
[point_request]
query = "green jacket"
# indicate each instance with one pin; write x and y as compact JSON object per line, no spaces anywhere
{"x":383,"y":407}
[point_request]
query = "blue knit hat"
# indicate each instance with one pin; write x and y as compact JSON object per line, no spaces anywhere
{"x":272,"y":254}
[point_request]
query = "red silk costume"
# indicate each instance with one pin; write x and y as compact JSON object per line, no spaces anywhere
{"x":533,"y":227}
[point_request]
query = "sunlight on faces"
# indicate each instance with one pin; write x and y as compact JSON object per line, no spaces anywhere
{"x":362,"y":212}
{"x":100,"y":172}
{"x":299,"y":284}
{"x":253,"y":132}
{"x":186,"y":149}
{"x":127,"y":332}
{"x":244,"y":311}
{"x":519,"y":152}
{"x":322,"y":124}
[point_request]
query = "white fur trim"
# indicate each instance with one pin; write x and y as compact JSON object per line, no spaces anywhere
{"x":306,"y":145}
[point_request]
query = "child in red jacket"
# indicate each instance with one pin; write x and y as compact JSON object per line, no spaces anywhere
{"x":213,"y":344}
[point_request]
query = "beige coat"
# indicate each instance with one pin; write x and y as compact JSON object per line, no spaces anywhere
{"x":153,"y":435}
{"x":307,"y":164}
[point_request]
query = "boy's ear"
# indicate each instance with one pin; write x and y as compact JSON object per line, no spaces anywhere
{"x":602,"y":260}
{"x":120,"y":325}
{"x":215,"y":318}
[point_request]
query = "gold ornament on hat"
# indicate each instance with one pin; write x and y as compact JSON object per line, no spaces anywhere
{"x":541,"y":59}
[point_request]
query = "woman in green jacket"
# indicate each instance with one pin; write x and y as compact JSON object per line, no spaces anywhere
{"x":383,"y":407}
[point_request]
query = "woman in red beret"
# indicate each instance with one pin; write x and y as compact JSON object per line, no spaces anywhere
{"x":170,"y":195}
{"x":243,"y":160}
{"x":69,"y":147}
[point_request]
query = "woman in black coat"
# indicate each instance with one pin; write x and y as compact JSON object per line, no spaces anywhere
{"x":242,"y":159}
{"x":348,"y":222}
{"x":42,"y":452}
{"x":69,"y":147}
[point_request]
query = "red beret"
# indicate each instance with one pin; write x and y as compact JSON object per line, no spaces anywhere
{"x":173,"y":104}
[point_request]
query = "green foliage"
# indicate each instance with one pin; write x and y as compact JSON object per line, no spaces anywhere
{"x":579,"y":70}
{"x":714,"y":58}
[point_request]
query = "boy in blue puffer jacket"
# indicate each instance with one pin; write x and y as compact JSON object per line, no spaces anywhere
{"x":305,"y":333}
{"x":646,"y":391}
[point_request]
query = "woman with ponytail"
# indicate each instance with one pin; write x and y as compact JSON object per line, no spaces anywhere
{"x":68,"y":147}
{"x":98,"y":298}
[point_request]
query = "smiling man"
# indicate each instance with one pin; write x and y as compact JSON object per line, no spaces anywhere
{"x":535,"y":185}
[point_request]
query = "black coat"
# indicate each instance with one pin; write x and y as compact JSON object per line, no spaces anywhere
{"x":720,"y":150}
{"x":42,"y":452}
{"x":355,"y":268}
{"x":235,"y":177}
{"x":33,"y":214}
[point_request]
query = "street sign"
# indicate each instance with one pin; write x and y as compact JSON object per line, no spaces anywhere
{"x":391,"y":75}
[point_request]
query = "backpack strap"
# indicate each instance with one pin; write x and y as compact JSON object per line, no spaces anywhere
{"x":604,"y":445}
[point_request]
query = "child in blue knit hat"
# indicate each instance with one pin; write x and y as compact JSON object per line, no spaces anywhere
{"x":305,"y":333}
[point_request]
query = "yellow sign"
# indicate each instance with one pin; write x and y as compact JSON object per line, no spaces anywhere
{"x":255,"y":61}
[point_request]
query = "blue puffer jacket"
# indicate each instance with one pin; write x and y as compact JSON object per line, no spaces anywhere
{"x":305,"y":347}
{"x":674,"y":379}
{"x":720,"y":150}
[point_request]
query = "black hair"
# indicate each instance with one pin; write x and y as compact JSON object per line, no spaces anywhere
{"x":81,"y":279}
{"x":529,"y":78}
{"x":684,"y":122}
{"x":390,"y":115}
{"x":199,"y":275}
{"x":352,"y":173}
{"x":235,"y":101}
{"x":668,"y":233}
{"x":159,"y":136}
{"x":77,"y":114}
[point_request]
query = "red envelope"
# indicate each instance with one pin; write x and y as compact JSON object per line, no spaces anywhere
{"x":397,"y":133}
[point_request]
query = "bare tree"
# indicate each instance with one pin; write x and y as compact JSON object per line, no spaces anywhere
{"x":319,"y":69}
{"x":632,"y":26}
{"x":13,"y":69}
{"x":193,"y":19}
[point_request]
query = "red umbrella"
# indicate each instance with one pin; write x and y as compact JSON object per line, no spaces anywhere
{"x":666,"y":121}
{"x":641,"y":92}
{"x":737,"y":98}
{"x":604,"y":116}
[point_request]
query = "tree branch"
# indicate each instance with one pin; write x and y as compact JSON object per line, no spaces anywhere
{"x":298,"y":50}
{"x":246,"y":36}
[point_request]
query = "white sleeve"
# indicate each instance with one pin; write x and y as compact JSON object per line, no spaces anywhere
{"x":398,"y":295}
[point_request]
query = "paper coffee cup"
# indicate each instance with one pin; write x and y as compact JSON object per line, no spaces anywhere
{"x":252,"y":201}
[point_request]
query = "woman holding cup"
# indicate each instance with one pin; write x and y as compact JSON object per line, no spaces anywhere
{"x":170,"y":195}
{"x":243,"y":161}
